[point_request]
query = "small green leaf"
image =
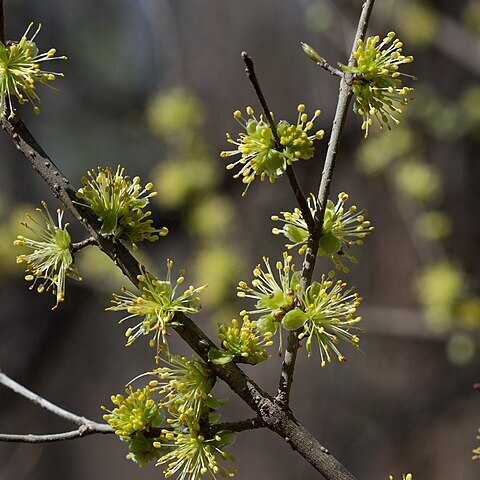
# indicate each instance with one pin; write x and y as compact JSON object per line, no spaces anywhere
{"x":210,"y":402}
{"x":330,"y":243}
{"x":266,"y":324}
{"x":226,"y":438}
{"x":295,"y":234}
{"x":294,"y":319}
{"x":109,"y":224}
{"x":219,"y":357}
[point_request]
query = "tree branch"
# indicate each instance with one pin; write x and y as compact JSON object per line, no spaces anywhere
{"x":239,"y":426}
{"x":344,"y":97}
{"x":86,"y":426}
{"x":82,"y":431}
{"x":292,"y":178}
{"x":84,"y":243}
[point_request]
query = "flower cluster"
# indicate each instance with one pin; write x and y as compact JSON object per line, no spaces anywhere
{"x":157,"y":305}
{"x":195,"y":457}
{"x":119,"y":204}
{"x":134,"y":416}
{"x":341,"y":228}
{"x":137,"y":412}
{"x":408,"y":476}
{"x":20,"y":71}
{"x":329,"y":316}
{"x":243,"y":342}
{"x":274,"y":298}
{"x":325,"y":311}
{"x":260,"y":156}
{"x":377,"y":85}
{"x":168,"y":429}
{"x":185,"y":387}
{"x":51,"y":260}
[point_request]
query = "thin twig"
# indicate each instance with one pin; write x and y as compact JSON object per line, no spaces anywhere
{"x":325,"y":65}
{"x":84,"y":243}
{"x":292,"y":178}
{"x":87,"y":427}
{"x":7,"y":382}
{"x":344,"y":97}
{"x":329,"y":68}
{"x":83,"y":431}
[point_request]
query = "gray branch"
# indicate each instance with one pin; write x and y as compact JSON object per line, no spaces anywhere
{"x":86,"y":426}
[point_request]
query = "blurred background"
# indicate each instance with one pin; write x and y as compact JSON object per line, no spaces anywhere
{"x":152,"y":84}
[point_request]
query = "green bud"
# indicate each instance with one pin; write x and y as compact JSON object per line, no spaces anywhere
{"x":311,"y":53}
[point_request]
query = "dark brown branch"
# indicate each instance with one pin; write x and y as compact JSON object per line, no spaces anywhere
{"x":84,"y":243}
{"x":292,"y":178}
{"x":240,"y":426}
{"x":344,"y":97}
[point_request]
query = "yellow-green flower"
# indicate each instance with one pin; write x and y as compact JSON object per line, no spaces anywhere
{"x":476,"y":451}
{"x":408,"y":476}
{"x":51,"y":260}
{"x":157,"y":305}
{"x":342,"y":228}
{"x":328,"y":316}
{"x":194,"y":457}
{"x":20,"y":71}
{"x":119,"y":204}
{"x":244,"y":342}
{"x":136,"y":412}
{"x":133,"y":418}
{"x":377,"y":86}
{"x":259,"y":156}
{"x":274,"y":298}
{"x":185,"y":387}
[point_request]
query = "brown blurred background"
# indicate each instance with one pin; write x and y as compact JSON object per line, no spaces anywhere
{"x":152,"y":84}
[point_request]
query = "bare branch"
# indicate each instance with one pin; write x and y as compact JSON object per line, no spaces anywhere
{"x":334,"y":71}
{"x":7,"y":382}
{"x":84,"y":243}
{"x":87,"y":427}
{"x":83,"y":431}
{"x":292,"y":178}
{"x":344,"y":97}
